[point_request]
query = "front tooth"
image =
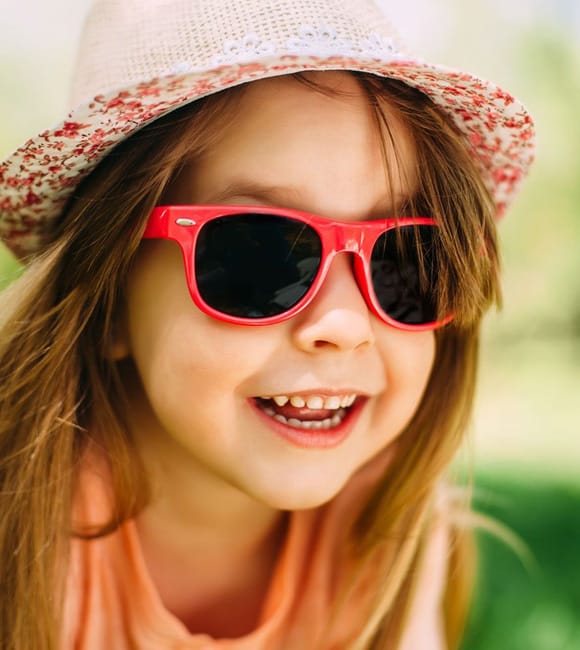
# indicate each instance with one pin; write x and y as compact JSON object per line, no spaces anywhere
{"x":326,"y":424}
{"x":280,"y":418}
{"x":280,"y":399}
{"x":350,"y":400}
{"x":297,"y":401}
{"x":314,"y":402}
{"x":293,"y":422}
{"x":332,"y":403}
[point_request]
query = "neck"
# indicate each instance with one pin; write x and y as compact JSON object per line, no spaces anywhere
{"x":208,"y":546}
{"x":205,"y":516}
{"x":211,"y":558}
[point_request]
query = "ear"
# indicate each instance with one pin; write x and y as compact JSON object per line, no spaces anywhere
{"x":117,"y":351}
{"x":118,"y":347}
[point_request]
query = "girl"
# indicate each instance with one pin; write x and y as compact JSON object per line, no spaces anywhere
{"x":242,"y":354}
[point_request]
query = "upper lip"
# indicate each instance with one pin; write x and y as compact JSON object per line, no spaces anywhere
{"x":323,"y":392}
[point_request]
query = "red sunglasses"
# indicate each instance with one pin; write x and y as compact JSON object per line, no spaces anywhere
{"x":253,"y":265}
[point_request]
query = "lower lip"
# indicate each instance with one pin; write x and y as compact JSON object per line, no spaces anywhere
{"x":311,"y":438}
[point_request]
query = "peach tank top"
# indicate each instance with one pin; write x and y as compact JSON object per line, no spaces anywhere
{"x":112,"y":603}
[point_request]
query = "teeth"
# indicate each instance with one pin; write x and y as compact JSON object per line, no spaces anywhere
{"x":315,"y":402}
{"x":332,"y":403}
{"x":316,"y":425}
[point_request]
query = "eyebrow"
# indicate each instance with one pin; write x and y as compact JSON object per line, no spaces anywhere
{"x":290,"y":196}
{"x":278,"y":195}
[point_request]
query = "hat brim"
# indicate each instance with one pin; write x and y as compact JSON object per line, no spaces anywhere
{"x":37,"y":180}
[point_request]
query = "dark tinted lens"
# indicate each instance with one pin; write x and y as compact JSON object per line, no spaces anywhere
{"x":255,"y":265}
{"x":397,"y":258}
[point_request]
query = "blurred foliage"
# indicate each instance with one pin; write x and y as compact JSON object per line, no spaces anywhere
{"x":9,"y":267}
{"x":541,"y":238}
{"x":521,"y":607}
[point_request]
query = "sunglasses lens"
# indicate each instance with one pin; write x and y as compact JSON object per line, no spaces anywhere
{"x":255,"y":265}
{"x":398,"y":259}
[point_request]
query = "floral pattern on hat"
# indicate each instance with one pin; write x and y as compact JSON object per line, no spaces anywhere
{"x":39,"y":178}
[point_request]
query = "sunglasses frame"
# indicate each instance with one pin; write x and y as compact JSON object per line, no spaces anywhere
{"x":183,"y":223}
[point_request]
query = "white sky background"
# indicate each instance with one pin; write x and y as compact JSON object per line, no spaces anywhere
{"x":38,"y":41}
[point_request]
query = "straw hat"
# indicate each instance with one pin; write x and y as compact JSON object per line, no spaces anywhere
{"x":140,"y":59}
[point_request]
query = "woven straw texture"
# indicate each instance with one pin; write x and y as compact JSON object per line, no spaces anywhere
{"x":160,"y":37}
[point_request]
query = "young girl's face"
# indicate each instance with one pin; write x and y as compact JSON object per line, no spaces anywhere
{"x":193,"y":404}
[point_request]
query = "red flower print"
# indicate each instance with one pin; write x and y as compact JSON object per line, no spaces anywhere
{"x":498,"y":93}
{"x":118,"y":100}
{"x":69,"y":130}
{"x":506,"y":174}
{"x":147,"y":90}
{"x":453,"y":90}
{"x":465,"y":114}
{"x":527,"y":135}
{"x":31,"y":198}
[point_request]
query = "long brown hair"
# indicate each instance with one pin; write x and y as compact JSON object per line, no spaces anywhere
{"x":60,"y":392}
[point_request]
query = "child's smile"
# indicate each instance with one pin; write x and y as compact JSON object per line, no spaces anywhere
{"x":312,"y":420}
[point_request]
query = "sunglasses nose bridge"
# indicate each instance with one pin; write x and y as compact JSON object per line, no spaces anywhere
{"x":348,"y":238}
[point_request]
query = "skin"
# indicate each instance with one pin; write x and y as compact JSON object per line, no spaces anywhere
{"x":221,"y":477}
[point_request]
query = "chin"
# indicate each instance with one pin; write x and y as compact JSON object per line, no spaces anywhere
{"x":302,"y":497}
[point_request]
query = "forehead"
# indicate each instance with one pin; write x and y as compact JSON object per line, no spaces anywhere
{"x":317,"y":142}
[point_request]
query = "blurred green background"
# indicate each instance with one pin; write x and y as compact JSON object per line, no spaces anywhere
{"x":525,"y":445}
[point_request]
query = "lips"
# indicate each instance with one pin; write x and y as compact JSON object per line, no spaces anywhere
{"x":298,"y":420}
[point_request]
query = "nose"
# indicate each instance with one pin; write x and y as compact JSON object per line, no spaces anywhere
{"x":338,"y":318}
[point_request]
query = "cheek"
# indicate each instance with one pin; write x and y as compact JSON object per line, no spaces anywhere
{"x":176,"y":347}
{"x":407,"y":360}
